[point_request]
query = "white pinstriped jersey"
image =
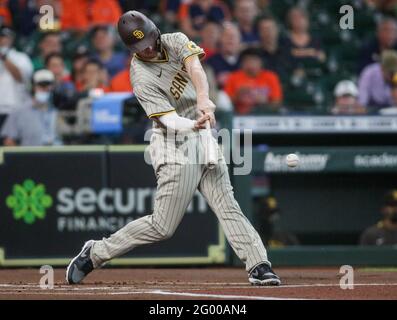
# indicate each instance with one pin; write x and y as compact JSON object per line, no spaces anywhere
{"x":163,"y":86}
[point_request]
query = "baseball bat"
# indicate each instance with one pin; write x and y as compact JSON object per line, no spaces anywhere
{"x":211,"y":154}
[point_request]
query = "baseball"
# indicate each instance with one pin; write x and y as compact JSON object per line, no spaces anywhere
{"x":292,"y":160}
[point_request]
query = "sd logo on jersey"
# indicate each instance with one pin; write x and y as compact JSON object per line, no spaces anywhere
{"x":138,"y":34}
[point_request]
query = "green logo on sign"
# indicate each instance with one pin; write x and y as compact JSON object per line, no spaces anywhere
{"x":29,"y":201}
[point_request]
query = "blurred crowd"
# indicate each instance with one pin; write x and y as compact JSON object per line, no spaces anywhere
{"x":262,"y":57}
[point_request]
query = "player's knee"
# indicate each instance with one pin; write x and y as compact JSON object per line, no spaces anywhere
{"x":164,"y":233}
{"x":167,"y":234}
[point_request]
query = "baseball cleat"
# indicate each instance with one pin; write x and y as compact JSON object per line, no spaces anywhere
{"x":81,"y":265}
{"x":263,"y":275}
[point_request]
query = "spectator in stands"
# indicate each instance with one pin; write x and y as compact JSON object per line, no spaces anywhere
{"x":55,"y":63}
{"x":170,"y":10}
{"x":24,"y":15}
{"x":50,"y":42}
{"x":121,"y":82}
{"x":141,"y":6}
{"x":245,"y":12}
{"x":305,"y":49}
{"x":79,"y":60}
{"x":63,"y":90}
{"x":346,"y":99}
{"x":36,"y":123}
{"x":276,"y":57}
{"x":84,"y":14}
{"x":103,"y":40}
{"x":386,"y":7}
{"x":227,"y":60}
{"x":267,"y":212}
{"x":394,"y":92}
{"x":194,"y":14}
{"x":5,"y":14}
{"x":392,"y":109}
{"x":375,"y":82}
{"x":219,"y":97}
{"x":15,"y":73}
{"x":385,"y":39}
{"x":252,"y":88}
{"x":210,"y":36}
{"x":385,"y":231}
{"x":94,"y":76}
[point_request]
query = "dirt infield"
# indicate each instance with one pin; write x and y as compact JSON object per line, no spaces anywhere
{"x":205,"y":283}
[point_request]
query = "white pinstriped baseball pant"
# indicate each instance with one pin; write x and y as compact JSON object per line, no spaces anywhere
{"x":178,"y":177}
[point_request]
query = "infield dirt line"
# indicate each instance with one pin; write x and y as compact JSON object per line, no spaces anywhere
{"x":203,"y":295}
{"x":215,"y":285}
{"x":56,"y":292}
{"x":155,"y":292}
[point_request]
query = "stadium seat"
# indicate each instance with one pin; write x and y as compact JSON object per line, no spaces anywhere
{"x":307,"y":96}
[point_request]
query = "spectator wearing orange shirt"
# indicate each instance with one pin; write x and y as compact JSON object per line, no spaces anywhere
{"x":121,"y":82}
{"x":252,"y":88}
{"x":5,"y":15}
{"x":84,"y":14}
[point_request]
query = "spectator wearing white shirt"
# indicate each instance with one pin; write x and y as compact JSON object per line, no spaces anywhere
{"x":35,"y":124}
{"x":15,"y":73}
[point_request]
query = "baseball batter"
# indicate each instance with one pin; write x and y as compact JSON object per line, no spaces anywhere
{"x":172,"y":87}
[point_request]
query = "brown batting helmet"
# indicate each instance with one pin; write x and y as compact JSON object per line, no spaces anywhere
{"x":138,"y":32}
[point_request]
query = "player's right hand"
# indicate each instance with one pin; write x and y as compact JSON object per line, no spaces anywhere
{"x":200,"y":122}
{"x":211,"y":115}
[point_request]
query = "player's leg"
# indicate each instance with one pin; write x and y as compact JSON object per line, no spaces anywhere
{"x":216,"y":188}
{"x":176,"y":186}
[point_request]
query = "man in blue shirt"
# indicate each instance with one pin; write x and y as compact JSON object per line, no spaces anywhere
{"x":227,"y":60}
{"x":103,"y":42}
{"x":245,"y":12}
